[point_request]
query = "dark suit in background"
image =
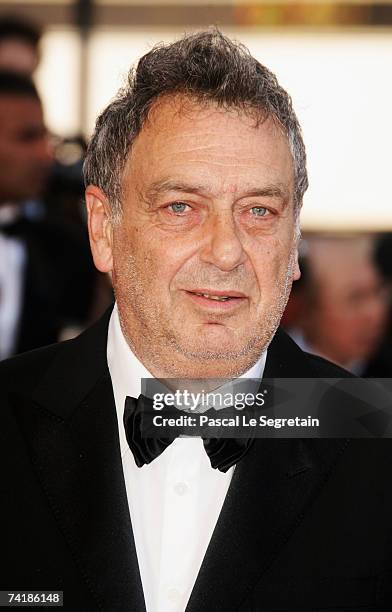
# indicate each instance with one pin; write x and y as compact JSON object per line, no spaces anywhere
{"x":58,"y":282}
{"x":306,"y":524}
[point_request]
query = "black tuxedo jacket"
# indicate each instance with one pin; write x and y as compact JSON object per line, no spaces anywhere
{"x":306,"y":524}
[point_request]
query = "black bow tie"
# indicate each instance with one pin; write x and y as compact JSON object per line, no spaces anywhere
{"x":223,"y":452}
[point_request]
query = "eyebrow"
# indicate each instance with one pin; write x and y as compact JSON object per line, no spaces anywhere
{"x":166,"y":185}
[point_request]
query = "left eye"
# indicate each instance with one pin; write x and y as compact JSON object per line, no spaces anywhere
{"x":178,"y":207}
{"x":259,"y":211}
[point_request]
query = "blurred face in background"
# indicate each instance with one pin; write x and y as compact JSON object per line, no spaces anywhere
{"x":18,"y":55}
{"x":347,"y":316}
{"x":25,"y":153}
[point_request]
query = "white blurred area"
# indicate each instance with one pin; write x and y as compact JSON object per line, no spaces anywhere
{"x":58,"y":82}
{"x":341,"y":86}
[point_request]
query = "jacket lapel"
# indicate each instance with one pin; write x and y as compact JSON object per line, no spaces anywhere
{"x":72,"y":434}
{"x":271,"y":489}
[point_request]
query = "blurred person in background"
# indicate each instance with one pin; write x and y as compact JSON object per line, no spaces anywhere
{"x":383,"y":262}
{"x":19,"y":45}
{"x":47,"y":278}
{"x":381,"y":363}
{"x":62,"y":201}
{"x":64,"y":193}
{"x":339,"y":310}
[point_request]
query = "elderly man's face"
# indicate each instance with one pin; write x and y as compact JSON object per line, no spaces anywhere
{"x":204,"y":255}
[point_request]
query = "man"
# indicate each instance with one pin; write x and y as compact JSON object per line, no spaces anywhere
{"x":195,"y":176}
{"x":344,"y":305}
{"x":46,"y":273}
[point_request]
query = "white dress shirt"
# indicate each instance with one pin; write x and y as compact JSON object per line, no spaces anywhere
{"x":174,"y":501}
{"x":12,"y":263}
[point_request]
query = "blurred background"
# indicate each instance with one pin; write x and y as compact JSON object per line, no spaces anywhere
{"x":335,"y":60}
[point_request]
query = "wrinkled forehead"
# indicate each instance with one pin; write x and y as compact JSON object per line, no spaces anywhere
{"x":181,"y":132}
{"x":184,"y":110}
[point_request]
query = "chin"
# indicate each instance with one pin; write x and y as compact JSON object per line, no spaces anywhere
{"x":215,"y":339}
{"x":220,"y":348}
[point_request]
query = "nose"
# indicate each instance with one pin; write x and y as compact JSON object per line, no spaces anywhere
{"x":223,"y":247}
{"x":47,"y":150}
{"x":43,"y":150}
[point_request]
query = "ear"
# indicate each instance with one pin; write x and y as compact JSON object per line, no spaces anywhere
{"x":296,"y":268}
{"x":99,"y":228}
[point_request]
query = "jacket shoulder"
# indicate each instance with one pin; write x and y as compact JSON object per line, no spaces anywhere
{"x":285,"y":359}
{"x":24,"y":370}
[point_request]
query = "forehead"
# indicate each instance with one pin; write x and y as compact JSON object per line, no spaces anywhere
{"x":342,"y":266}
{"x":19,"y":110}
{"x":228,"y":146}
{"x":17,"y":54}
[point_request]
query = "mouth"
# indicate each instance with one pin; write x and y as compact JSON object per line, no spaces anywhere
{"x":213,"y":298}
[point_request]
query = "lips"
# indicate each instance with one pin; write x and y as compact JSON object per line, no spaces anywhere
{"x":216,"y":294}
{"x":216,"y":297}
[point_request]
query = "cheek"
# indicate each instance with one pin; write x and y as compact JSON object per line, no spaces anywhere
{"x":9,"y":164}
{"x":174,"y":259}
{"x":152,"y":262}
{"x":270,"y":262}
{"x":338,"y":325}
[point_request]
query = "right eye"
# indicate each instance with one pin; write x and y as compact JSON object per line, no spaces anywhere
{"x":178,"y":207}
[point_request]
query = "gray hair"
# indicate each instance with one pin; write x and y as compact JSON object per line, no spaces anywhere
{"x":206,"y":66}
